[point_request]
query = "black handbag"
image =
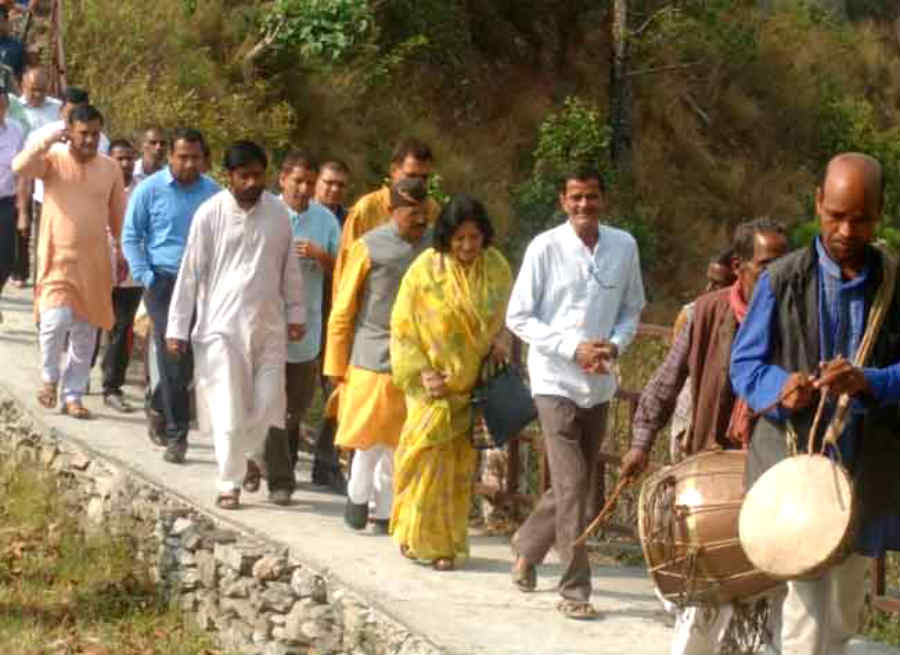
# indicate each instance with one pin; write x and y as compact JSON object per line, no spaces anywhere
{"x":504,"y":401}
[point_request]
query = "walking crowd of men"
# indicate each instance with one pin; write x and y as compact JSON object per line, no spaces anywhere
{"x":392,"y":308}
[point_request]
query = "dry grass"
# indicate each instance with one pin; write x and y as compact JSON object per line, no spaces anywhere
{"x":64,"y":591}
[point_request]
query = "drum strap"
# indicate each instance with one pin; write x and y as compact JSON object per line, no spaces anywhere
{"x":877,"y":314}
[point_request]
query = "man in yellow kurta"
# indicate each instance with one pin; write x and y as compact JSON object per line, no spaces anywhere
{"x":357,"y":355}
{"x":411,"y":159}
{"x":84,"y":201}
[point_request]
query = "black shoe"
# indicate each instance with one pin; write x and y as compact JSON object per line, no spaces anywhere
{"x":156,"y":427}
{"x":175,"y":452}
{"x":280,"y":497}
{"x":117,"y":402}
{"x":325,"y":474}
{"x":381,"y":527}
{"x":356,"y":516}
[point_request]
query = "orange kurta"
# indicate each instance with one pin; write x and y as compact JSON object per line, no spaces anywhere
{"x":84,"y":202}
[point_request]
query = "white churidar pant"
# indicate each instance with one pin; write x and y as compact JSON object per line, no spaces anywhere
{"x":372,"y":478}
{"x":55,"y":324}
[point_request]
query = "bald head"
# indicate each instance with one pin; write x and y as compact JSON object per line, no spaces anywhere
{"x":848,"y":204}
{"x":857,"y":168}
{"x":35,"y":83}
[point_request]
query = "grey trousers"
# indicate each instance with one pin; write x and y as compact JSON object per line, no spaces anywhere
{"x":572,"y":438}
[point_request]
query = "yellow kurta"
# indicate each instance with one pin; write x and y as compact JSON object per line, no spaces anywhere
{"x":444,"y":318}
{"x":84,"y":203}
{"x":371,"y":410}
{"x":370,"y":211}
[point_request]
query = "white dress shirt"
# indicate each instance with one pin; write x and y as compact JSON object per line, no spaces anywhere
{"x":37,"y":117}
{"x":566,"y":294}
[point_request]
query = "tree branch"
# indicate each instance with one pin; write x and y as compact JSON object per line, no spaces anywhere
{"x":662,"y":69}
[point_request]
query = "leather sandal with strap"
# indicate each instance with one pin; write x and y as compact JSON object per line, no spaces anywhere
{"x":229,"y":499}
{"x":577,"y":609}
{"x":46,"y":395}
{"x":75,"y":409}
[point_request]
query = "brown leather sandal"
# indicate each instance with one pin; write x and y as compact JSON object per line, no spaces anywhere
{"x":46,"y":395}
{"x":229,"y":499}
{"x":251,"y":477}
{"x":75,"y":409}
{"x":578,"y":610}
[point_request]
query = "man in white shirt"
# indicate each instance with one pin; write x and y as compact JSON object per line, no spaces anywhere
{"x":39,"y":108}
{"x":240,"y":277}
{"x":576,"y":303}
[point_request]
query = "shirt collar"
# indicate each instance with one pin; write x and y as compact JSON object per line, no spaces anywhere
{"x":168,"y":178}
{"x":576,"y":241}
{"x":831,"y":268}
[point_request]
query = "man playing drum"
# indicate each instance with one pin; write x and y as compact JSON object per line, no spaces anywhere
{"x":702,"y":350}
{"x":809,"y":312}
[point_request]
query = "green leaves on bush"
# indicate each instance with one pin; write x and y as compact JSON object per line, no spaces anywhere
{"x":322,"y":31}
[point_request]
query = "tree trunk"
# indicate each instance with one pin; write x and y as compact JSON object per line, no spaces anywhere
{"x":620,"y":92}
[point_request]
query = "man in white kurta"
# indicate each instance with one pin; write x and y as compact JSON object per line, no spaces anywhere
{"x":240,"y":274}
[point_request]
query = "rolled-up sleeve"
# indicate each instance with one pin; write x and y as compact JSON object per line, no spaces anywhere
{"x":523,"y":313}
{"x":752,"y":376}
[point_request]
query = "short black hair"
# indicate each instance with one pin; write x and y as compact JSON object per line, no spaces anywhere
{"x":581,"y":172}
{"x":74,"y":95}
{"x":461,"y":208}
{"x":299,"y":159}
{"x":243,"y":153}
{"x":4,"y":12}
{"x":336,"y":165}
{"x":747,"y":231}
{"x":724,"y":257}
{"x":411,"y":147}
{"x":85,"y":114}
{"x":120,"y":143}
{"x":189,"y":135}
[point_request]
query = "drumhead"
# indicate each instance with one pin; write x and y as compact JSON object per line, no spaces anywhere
{"x":797,"y":516}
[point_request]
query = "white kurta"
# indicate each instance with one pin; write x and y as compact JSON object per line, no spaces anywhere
{"x":240,"y":275}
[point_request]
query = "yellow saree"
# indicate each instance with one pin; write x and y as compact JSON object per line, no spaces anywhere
{"x":444,"y":318}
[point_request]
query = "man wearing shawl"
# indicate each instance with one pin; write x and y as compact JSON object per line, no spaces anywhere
{"x":448,"y":313}
{"x":357,"y":356}
{"x":701,"y":353}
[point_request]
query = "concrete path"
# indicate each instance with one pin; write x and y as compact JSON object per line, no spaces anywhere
{"x":475,"y":609}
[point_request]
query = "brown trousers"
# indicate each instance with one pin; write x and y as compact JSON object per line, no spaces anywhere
{"x":572,"y":438}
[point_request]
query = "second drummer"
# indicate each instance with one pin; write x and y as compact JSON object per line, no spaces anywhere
{"x":701,"y":351}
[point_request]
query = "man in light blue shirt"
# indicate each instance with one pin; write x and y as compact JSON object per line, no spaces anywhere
{"x":316,"y":235}
{"x":576,"y":303}
{"x":157,"y":223}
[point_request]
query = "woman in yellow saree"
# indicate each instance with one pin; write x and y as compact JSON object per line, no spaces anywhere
{"x":447,"y":318}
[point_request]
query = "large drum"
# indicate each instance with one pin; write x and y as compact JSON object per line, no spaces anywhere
{"x":798,"y":517}
{"x":688,"y":522}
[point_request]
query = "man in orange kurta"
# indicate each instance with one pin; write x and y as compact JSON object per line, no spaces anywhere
{"x":84,"y":196}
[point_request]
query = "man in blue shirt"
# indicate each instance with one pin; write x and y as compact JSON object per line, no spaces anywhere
{"x":316,"y":235}
{"x":157,"y":223}
{"x":809,"y":312}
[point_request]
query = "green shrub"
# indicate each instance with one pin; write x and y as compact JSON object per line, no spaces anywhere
{"x":326,"y":31}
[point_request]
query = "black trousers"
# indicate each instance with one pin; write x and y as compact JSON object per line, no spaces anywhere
{"x":8,"y":236}
{"x":170,"y":398}
{"x":21,"y":269}
{"x":118,"y":347}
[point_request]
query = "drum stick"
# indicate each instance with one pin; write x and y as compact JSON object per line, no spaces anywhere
{"x":607,"y":509}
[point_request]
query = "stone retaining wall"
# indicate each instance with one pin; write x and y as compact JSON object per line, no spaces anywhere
{"x":251,"y":592}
